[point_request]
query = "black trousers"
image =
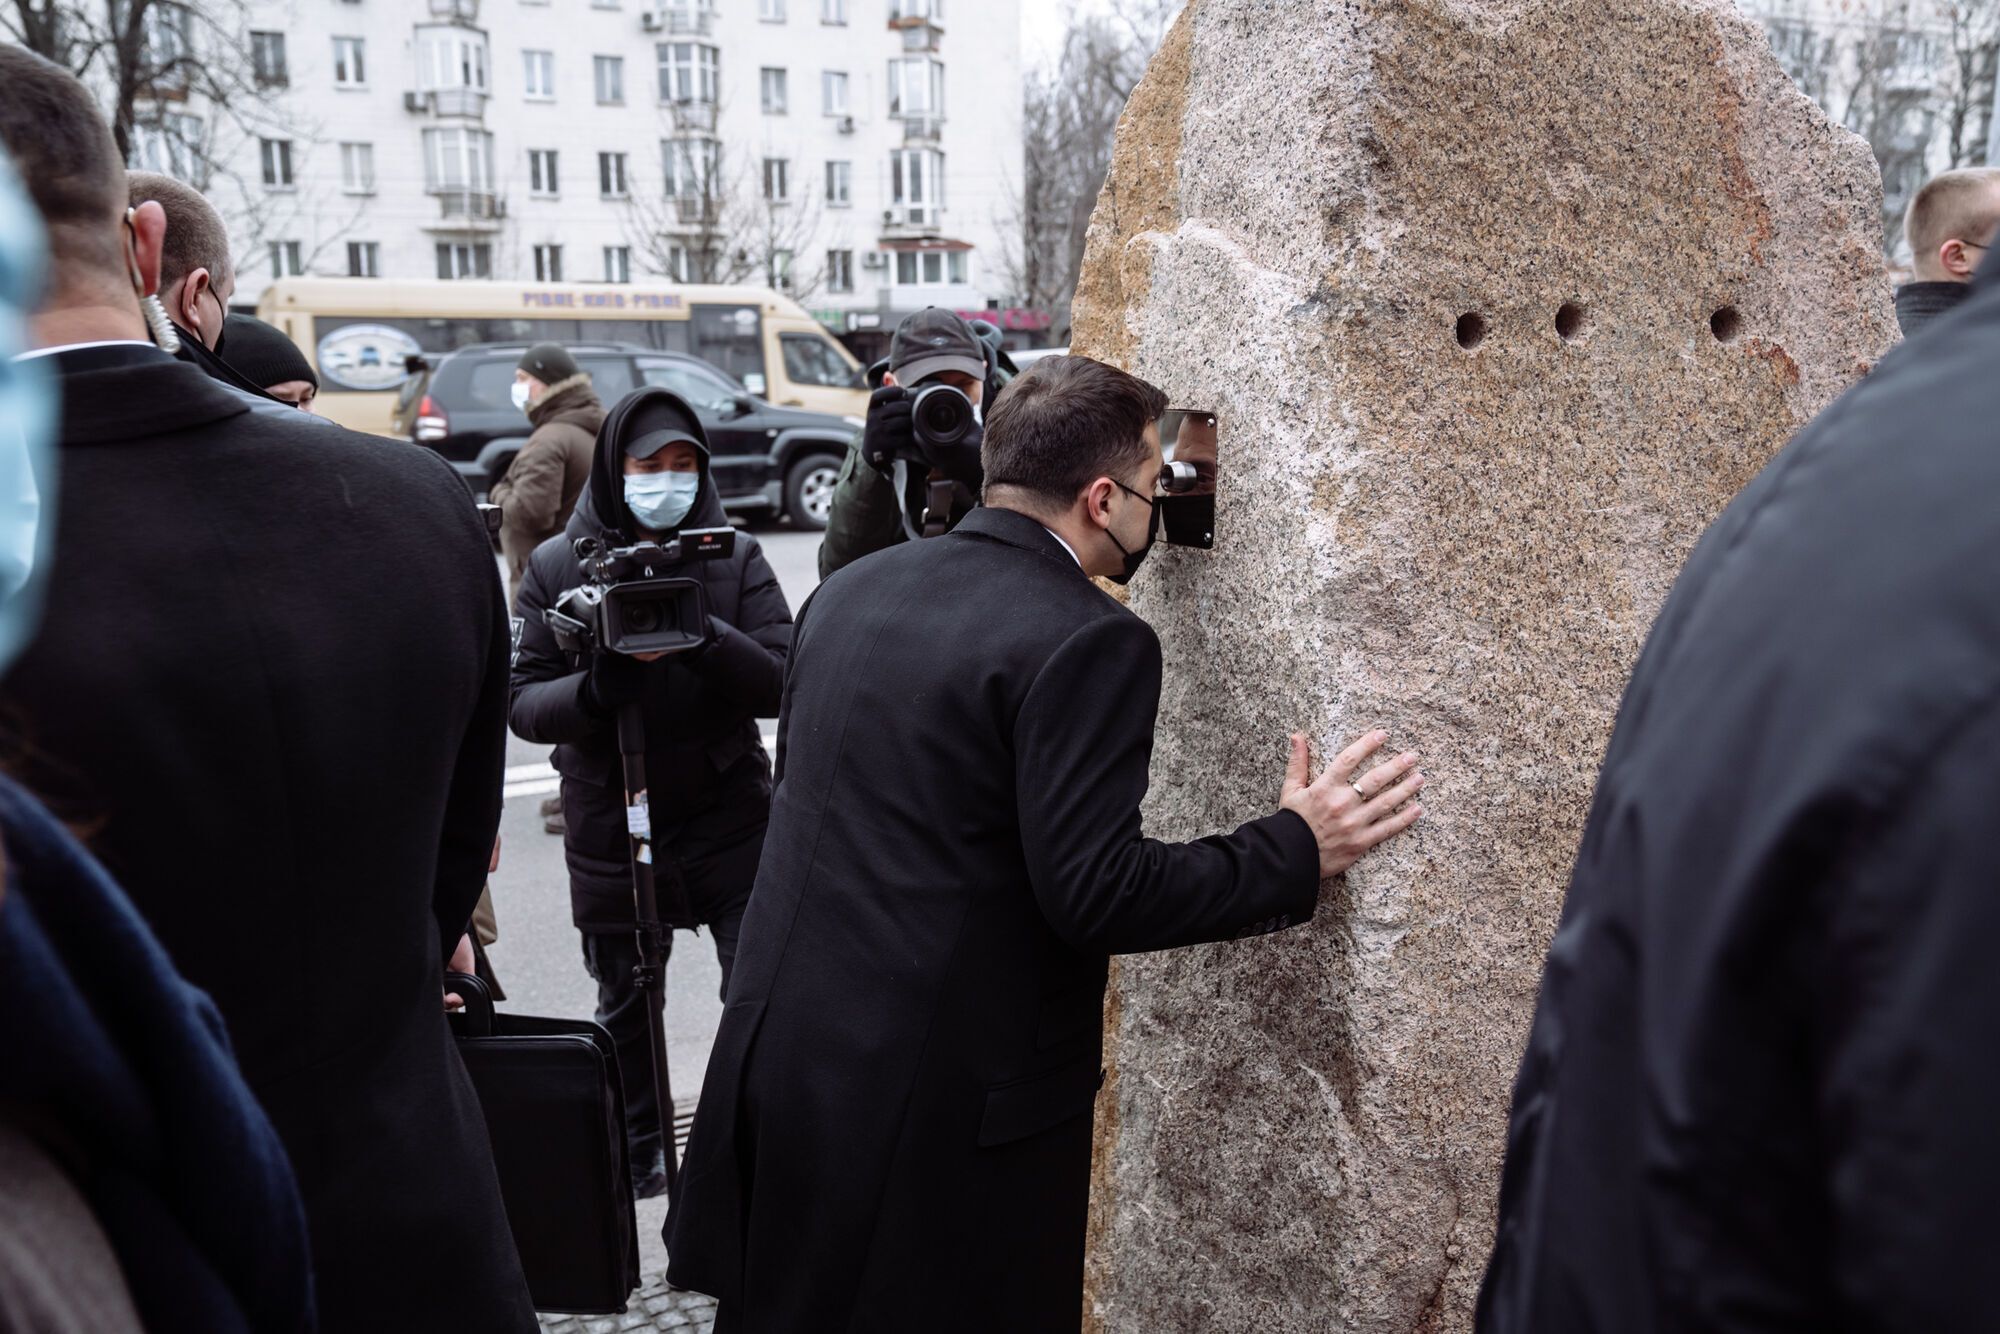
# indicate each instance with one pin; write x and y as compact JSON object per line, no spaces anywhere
{"x":719,"y":890}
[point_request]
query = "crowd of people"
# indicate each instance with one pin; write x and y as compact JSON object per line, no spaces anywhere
{"x":231,"y":631}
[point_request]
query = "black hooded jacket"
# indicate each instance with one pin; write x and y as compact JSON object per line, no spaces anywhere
{"x":707,"y":773}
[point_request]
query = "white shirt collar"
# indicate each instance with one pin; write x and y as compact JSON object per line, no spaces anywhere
{"x":1065,"y":545}
{"x":77,"y":347}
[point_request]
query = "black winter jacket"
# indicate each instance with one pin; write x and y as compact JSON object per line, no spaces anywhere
{"x":707,"y":773}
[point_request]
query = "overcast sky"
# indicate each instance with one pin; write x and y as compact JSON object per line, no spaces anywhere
{"x":1041,"y":30}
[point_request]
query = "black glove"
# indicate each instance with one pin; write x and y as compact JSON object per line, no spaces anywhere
{"x":614,"y":681}
{"x":889,"y":433}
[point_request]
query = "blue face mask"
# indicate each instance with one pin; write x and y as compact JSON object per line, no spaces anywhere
{"x":660,"y":500}
{"x":27,"y":427}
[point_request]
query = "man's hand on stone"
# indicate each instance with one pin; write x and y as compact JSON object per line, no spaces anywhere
{"x":1349,"y":811}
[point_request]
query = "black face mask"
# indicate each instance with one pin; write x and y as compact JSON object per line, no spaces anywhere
{"x":1134,"y":559}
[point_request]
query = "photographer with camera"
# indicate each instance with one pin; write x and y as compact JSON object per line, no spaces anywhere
{"x":926,"y":416}
{"x":698,"y":697}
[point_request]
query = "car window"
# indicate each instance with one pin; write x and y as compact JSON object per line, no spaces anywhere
{"x":697,"y":384}
{"x":810,"y":359}
{"x":491,"y":386}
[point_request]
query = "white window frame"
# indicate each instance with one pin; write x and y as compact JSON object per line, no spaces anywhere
{"x":544,"y":178}
{"x":171,"y":146}
{"x":538,"y":75}
{"x":451,"y":59}
{"x":364,"y":259}
{"x":833,"y":93}
{"x":840,"y":270}
{"x":287,"y":259}
{"x":618,"y":264}
{"x":916,"y":88}
{"x":839,"y":183}
{"x":350,"y":62}
{"x":778,"y":183}
{"x":689,"y":72}
{"x":615,"y":66}
{"x":690,"y":167}
{"x":280,"y":76}
{"x":614,"y":176}
{"x":548,"y":262}
{"x":833,"y":11}
{"x":916,"y":186}
{"x":357,"y":168}
{"x":771,"y":11}
{"x":458,"y":158}
{"x":274,"y":157}
{"x":465,"y":257}
{"x":774,"y":90}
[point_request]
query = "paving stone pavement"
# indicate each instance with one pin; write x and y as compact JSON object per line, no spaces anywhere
{"x":653,"y":1307}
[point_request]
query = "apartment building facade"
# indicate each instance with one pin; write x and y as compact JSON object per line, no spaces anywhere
{"x":861,"y":154}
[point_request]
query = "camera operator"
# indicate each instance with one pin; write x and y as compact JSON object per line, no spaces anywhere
{"x":709,"y":780}
{"x":931,"y":347}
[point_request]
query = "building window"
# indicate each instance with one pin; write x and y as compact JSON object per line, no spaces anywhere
{"x":916,"y":9}
{"x":840,"y":270}
{"x":916,"y":185}
{"x":689,"y":72}
{"x":779,"y":271}
{"x":548,"y":264}
{"x":680,"y":263}
{"x":542,"y":172}
{"x":165,"y":48}
{"x":464,"y":259}
{"x":916,"y":88}
{"x":349,"y":67}
{"x":777,"y":180}
{"x":451,"y":59}
{"x":833,"y":11}
{"x":618,"y":264}
{"x":541,"y":75}
{"x":611,"y":175}
{"x":955,"y":267}
{"x":839,"y":184}
{"x":171,"y":146}
{"x":458,"y":159}
{"x":773,"y":85}
{"x":771,"y":11}
{"x":267,"y":60}
{"x":285,"y":259}
{"x":277,"y":160}
{"x":357,"y":168}
{"x":364,"y":259}
{"x":610,"y":73}
{"x":691,"y":167}
{"x":833,"y":92}
{"x":930,"y":268}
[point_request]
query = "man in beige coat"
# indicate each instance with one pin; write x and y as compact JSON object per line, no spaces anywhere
{"x":540,"y":489}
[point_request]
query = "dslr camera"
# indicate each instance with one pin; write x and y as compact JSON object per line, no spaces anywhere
{"x":624,"y":606}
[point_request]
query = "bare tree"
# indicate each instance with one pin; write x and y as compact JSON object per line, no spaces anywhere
{"x":1972,"y":37}
{"x":1069,"y":122}
{"x":718,"y":220}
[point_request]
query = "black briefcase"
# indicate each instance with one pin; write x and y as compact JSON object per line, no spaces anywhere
{"x":556,"y":1113}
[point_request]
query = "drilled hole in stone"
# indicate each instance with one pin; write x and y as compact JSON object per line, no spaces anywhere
{"x":1570,"y":321}
{"x":1725,"y":324}
{"x":1471,"y":330}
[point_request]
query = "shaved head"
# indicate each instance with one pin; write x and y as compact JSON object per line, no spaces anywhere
{"x":196,"y":238}
{"x":1961,"y":206}
{"x":64,"y":154}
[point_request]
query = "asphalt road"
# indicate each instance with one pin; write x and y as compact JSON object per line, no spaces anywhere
{"x":539,"y":959}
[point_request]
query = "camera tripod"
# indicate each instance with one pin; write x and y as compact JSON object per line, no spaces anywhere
{"x":649,"y":974}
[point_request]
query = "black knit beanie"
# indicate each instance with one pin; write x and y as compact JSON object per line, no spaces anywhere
{"x":548,"y":362}
{"x":263,"y":355}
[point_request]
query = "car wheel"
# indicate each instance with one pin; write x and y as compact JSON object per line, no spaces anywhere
{"x":809,"y":491}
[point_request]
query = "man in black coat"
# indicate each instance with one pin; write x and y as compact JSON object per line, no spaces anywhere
{"x":270,"y":685}
{"x":708,"y":778}
{"x":896,"y":1120}
{"x":1759,"y":1093}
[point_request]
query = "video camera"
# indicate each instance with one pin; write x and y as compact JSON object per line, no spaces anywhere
{"x":622,"y":606}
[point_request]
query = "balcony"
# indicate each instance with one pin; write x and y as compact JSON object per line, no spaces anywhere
{"x":692,"y":117}
{"x":927,"y":130}
{"x":678,"y":22}
{"x":919,"y":35}
{"x":455,"y":11}
{"x":462,"y":210}
{"x":912,"y":220}
{"x":447,"y":102}
{"x":695,"y":211}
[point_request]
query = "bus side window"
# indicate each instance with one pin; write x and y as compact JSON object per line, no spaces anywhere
{"x":611,"y":377}
{"x":811,"y":360}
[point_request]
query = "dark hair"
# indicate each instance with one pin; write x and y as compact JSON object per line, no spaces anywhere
{"x":65,"y":157}
{"x":1064,"y":423}
{"x":196,"y":238}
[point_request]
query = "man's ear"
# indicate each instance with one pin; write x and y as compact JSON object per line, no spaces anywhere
{"x":149,"y":229}
{"x":1954,"y":259}
{"x":186,"y":304}
{"x":1097,"y":502}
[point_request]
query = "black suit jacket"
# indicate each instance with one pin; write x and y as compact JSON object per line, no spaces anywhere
{"x":271,"y":687}
{"x":1759,"y":1092}
{"x":897,"y":1112}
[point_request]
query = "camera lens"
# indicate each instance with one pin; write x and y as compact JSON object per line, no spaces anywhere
{"x":941,"y":415}
{"x":642,"y":618}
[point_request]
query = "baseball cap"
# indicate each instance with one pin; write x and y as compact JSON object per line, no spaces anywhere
{"x":652,"y":442}
{"x":934,"y":340}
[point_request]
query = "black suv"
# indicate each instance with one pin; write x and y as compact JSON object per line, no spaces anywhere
{"x":766,"y":458}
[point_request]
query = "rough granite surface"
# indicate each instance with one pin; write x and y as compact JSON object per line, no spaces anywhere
{"x":1465,"y":545}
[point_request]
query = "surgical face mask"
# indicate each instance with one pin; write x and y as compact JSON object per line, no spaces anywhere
{"x":520,"y":395}
{"x":660,"y":500}
{"x":1134,"y":559}
{"x":27,"y":428}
